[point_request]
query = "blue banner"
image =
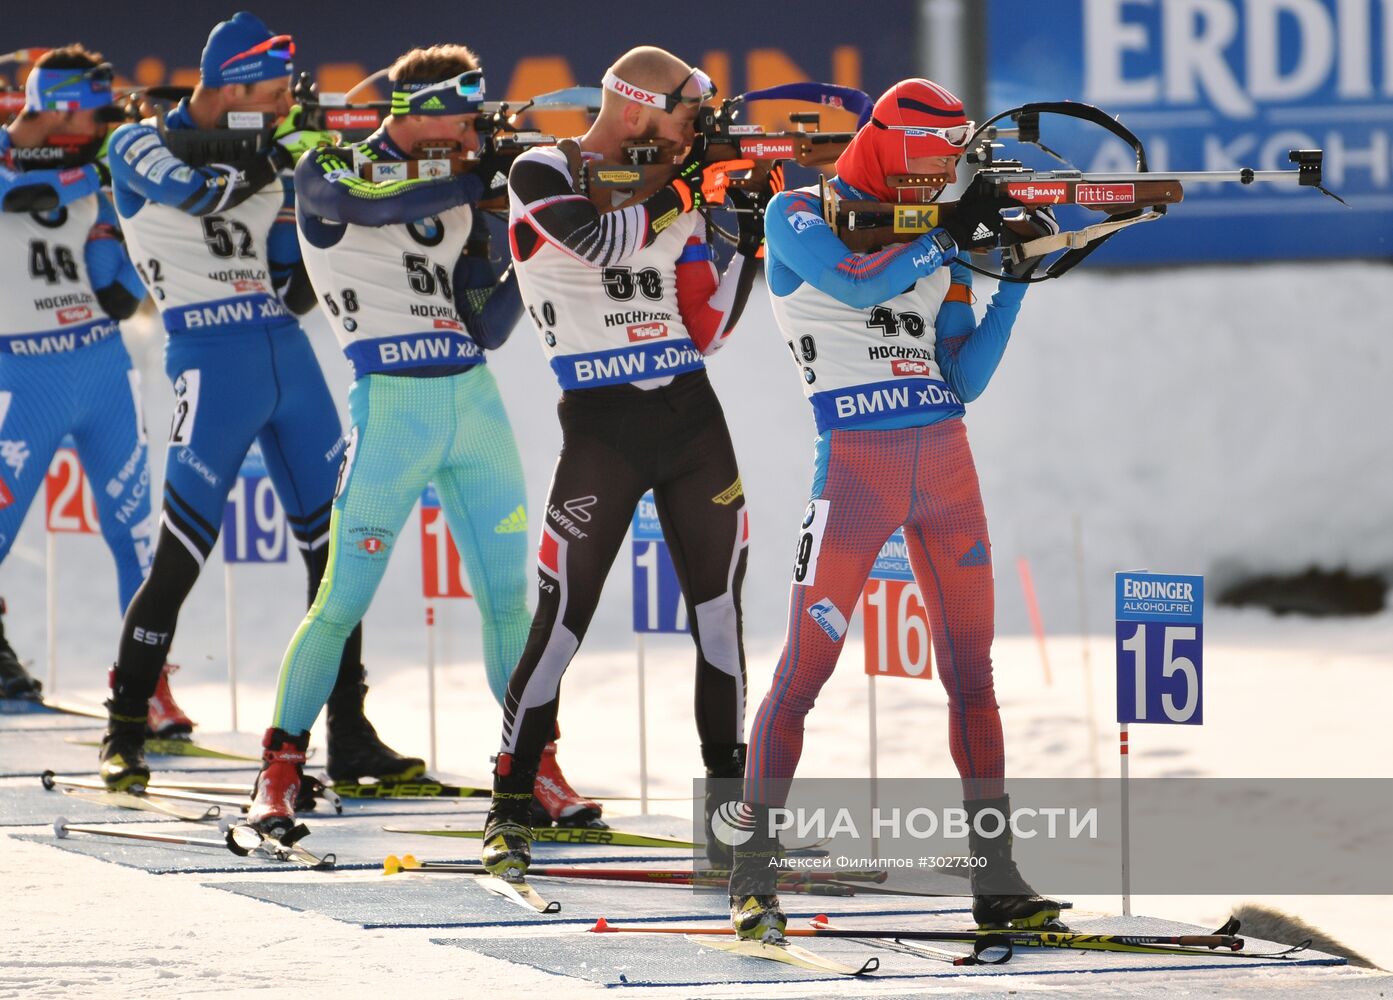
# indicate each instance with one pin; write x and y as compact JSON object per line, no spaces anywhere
{"x":1160,"y":648}
{"x":893,"y":561}
{"x":658,"y":601}
{"x":1218,"y":85}
{"x":253,"y":524}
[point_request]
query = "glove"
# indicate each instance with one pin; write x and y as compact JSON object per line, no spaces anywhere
{"x":976,"y":221}
{"x":491,"y":168}
{"x":699,"y":183}
{"x":102,"y":160}
{"x":292,"y":140}
{"x":750,"y":209}
{"x":1042,"y":220}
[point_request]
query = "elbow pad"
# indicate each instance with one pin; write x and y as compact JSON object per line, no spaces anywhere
{"x":117,"y":302}
{"x":31,"y":198}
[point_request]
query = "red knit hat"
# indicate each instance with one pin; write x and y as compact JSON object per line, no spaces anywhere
{"x":913,"y":118}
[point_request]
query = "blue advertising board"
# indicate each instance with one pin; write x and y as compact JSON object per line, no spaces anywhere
{"x":1218,"y":85}
{"x":893,"y":561}
{"x":253,"y":524}
{"x":658,"y":602}
{"x":1160,"y":646}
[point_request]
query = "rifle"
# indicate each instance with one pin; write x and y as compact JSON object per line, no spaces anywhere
{"x":649,"y":164}
{"x":500,"y":133}
{"x":1126,"y":198}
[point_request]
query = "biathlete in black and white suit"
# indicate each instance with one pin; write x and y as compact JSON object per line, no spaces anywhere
{"x":628,"y":303}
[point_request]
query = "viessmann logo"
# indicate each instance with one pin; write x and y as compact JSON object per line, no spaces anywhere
{"x":74,"y":314}
{"x":910,"y":367}
{"x":1033,"y":192}
{"x":766,"y":149}
{"x":351,"y":118}
{"x":646,"y":331}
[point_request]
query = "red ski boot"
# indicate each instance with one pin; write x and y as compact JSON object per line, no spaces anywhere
{"x":167,"y":720}
{"x":278,"y":785}
{"x":554,"y":797}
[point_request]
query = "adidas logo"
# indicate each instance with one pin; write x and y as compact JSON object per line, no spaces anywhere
{"x":433,"y":104}
{"x":513,"y":523}
{"x":981,"y":233}
{"x":975,"y":556}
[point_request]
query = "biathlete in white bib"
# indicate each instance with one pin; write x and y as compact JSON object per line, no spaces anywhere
{"x":628,"y":304}
{"x":68,"y":283}
{"x":403,"y":267}
{"x":888,"y":351}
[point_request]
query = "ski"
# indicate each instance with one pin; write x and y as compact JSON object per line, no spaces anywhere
{"x":985,"y":950}
{"x":418,"y":789}
{"x":517,"y":891}
{"x":158,"y":746}
{"x":789,"y":954}
{"x":1225,"y":945}
{"x":149,"y":792}
{"x":136,"y":800}
{"x":47,"y":706}
{"x":243,"y":839}
{"x":566,"y":835}
{"x":682,"y":878}
{"x":320,"y":790}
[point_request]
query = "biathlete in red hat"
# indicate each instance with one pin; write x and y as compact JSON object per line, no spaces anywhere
{"x":889,"y":350}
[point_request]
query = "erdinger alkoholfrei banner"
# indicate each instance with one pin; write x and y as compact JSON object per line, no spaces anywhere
{"x":1218,"y":85}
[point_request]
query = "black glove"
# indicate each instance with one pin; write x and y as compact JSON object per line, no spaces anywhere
{"x":492,"y":169}
{"x":1044,"y":223}
{"x":976,"y":222}
{"x":750,"y":208}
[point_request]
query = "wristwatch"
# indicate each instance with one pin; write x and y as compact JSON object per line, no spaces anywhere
{"x":943,"y":241}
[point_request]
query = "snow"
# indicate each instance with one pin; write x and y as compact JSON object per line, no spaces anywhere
{"x":1208,"y":420}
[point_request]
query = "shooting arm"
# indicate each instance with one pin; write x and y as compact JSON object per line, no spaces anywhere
{"x":489,"y":307}
{"x":968,"y":351}
{"x":710,"y":308}
{"x":142,"y":162}
{"x":109,"y":268}
{"x":803,"y":244}
{"x":287,"y":266}
{"x":329,"y":187}
{"x":547,"y":208}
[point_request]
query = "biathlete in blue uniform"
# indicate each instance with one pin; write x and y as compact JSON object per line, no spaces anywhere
{"x":215,"y":243}
{"x":68,"y":283}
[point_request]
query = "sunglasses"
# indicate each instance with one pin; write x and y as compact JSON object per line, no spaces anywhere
{"x":670,"y":101}
{"x":279,"y":47}
{"x":954,"y":135}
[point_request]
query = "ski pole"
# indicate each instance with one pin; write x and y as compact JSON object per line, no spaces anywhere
{"x":61,"y":829}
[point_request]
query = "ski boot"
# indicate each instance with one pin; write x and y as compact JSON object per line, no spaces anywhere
{"x":15,"y":681}
{"x":166,"y":720}
{"x":555,"y":801}
{"x":356,"y":752}
{"x":755,"y":911}
{"x":1001,"y":897}
{"x":276,"y":794}
{"x":507,"y":850}
{"x":123,"y":764}
{"x":725,"y":775}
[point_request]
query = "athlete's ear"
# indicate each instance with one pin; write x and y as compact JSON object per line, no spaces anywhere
{"x":633,"y":117}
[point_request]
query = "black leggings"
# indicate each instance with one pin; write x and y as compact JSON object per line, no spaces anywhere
{"x":148,"y":629}
{"x":617,"y":443}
